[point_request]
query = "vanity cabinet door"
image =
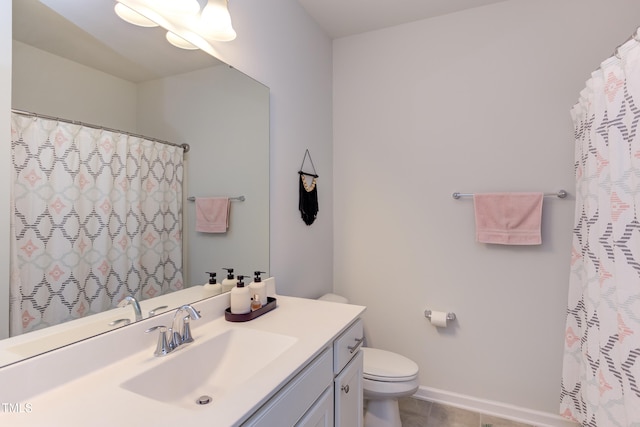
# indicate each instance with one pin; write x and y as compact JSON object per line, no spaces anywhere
{"x":321,"y":413}
{"x":291,"y":403}
{"x":348,"y":394}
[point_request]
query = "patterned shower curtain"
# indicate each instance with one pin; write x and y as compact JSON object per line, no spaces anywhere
{"x":97,"y":216}
{"x":601,"y":367}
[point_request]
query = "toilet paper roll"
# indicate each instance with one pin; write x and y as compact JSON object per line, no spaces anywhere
{"x":439,"y":319}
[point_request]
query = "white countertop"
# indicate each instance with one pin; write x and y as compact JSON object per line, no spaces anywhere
{"x":79,"y":385}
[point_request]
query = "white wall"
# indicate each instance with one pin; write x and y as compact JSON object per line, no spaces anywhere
{"x":279,"y":45}
{"x":476,"y":101}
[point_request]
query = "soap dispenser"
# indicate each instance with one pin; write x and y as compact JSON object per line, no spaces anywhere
{"x":240,"y":298}
{"x":229,"y":282}
{"x":212,"y":288}
{"x":257,"y":287}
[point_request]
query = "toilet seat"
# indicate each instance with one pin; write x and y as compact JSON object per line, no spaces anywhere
{"x":386,"y":366}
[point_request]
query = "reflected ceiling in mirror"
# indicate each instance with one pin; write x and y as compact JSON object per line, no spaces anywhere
{"x":90,"y":33}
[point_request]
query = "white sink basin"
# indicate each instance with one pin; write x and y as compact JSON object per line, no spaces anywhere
{"x":210,"y":367}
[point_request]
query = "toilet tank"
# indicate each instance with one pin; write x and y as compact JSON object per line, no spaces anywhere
{"x":334,"y":298}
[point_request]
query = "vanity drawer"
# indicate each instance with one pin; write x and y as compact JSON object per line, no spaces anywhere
{"x":347,"y":345}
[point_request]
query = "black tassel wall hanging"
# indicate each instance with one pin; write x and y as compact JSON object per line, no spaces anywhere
{"x":308,"y":202}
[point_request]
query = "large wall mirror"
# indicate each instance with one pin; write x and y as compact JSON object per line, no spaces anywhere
{"x":77,"y":60}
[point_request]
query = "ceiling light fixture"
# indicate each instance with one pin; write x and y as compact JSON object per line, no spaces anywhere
{"x":182,"y":18}
{"x":133,"y":17}
{"x":180,"y":7}
{"x":215,"y":21}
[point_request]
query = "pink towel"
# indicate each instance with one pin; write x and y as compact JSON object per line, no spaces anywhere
{"x":508,"y":218}
{"x":212,"y":214}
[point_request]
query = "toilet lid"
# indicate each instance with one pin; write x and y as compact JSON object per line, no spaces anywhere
{"x":382,"y":365}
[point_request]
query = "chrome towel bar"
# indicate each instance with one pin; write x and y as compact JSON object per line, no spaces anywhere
{"x":560,"y":194}
{"x":239,"y":198}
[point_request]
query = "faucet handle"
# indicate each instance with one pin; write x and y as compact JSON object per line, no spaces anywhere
{"x":186,"y":330}
{"x":162,"y":348}
{"x":155,"y":310}
{"x":119,"y":321}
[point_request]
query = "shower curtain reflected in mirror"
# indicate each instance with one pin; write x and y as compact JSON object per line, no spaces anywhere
{"x":96,"y":216}
{"x":601,"y":369}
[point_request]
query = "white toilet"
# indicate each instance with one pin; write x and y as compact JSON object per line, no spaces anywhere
{"x":387,"y":376}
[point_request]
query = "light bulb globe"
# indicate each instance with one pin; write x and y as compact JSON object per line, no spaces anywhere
{"x":178,"y":41}
{"x":215,"y":21}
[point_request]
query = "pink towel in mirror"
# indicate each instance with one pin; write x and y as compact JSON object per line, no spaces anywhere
{"x":212,"y":214}
{"x":508,"y":218}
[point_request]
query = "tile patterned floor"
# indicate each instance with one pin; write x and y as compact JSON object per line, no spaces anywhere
{"x":420,"y":413}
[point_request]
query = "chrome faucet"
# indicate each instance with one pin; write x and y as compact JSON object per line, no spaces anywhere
{"x":136,"y":306}
{"x":170,"y":339}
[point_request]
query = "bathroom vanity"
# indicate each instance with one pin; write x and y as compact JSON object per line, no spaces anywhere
{"x":299,"y":364}
{"x":315,"y":398}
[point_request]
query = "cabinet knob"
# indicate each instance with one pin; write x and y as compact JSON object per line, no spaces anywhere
{"x":345,"y":388}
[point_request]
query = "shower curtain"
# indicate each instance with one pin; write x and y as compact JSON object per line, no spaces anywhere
{"x":96,"y":216}
{"x":601,"y":366}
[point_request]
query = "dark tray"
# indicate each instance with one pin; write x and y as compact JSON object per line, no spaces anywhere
{"x":270,"y":305}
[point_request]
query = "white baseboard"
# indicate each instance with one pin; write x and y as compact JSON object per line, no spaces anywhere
{"x":497,"y":409}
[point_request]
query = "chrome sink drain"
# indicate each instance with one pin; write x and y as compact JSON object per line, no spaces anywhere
{"x":203,"y":400}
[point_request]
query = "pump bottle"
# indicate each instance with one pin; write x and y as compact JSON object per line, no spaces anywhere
{"x":240,"y":298}
{"x":229,"y":282}
{"x":212,"y":288}
{"x":257,"y":287}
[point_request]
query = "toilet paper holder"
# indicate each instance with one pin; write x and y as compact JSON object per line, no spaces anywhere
{"x":450,"y":316}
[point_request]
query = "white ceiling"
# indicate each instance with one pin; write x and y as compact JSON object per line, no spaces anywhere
{"x":341,"y":18}
{"x":95,"y":37}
